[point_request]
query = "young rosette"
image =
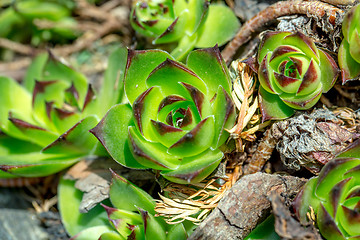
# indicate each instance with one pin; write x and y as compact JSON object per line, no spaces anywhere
{"x":334,"y":196}
{"x":45,"y":121}
{"x":293,"y":73}
{"x":193,"y":23}
{"x":349,"y":52}
{"x":129,"y":214}
{"x":177,"y":115}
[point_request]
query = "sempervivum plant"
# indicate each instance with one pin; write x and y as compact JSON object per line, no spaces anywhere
{"x":131,"y":215}
{"x":334,"y":196}
{"x":44,"y":123}
{"x":177,"y":115}
{"x":193,"y":23}
{"x":40,"y":21}
{"x":349,"y":52}
{"x":293,"y":73}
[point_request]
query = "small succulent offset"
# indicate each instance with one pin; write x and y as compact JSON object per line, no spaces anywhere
{"x":39,"y":21}
{"x":349,"y":52}
{"x":193,"y":23}
{"x":293,"y":73}
{"x":334,"y":196}
{"x":44,"y":123}
{"x":177,"y":115}
{"x":131,"y":216}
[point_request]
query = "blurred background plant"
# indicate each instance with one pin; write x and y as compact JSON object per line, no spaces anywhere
{"x":189,"y":24}
{"x":45,"y":121}
{"x":127,"y":214}
{"x":38,"y":23}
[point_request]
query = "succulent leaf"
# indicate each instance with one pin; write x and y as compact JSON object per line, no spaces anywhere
{"x":139,"y":65}
{"x":134,"y":197}
{"x":294,"y":70}
{"x":349,"y":53}
{"x":334,"y":196}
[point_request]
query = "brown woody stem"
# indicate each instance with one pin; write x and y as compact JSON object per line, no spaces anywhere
{"x":316,"y":9}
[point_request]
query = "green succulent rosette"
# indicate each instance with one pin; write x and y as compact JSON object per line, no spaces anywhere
{"x":349,"y":52}
{"x":39,"y":20}
{"x":177,"y":115}
{"x":334,"y":196}
{"x":193,"y":23}
{"x":131,"y":215}
{"x":293,"y":73}
{"x":45,"y":121}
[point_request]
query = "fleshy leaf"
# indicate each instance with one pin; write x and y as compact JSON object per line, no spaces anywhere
{"x":36,"y":164}
{"x":145,"y":109}
{"x":224,"y":113}
{"x":112,"y":132}
{"x":352,"y":151}
{"x":76,"y":140}
{"x":302,"y":102}
{"x":177,"y":232}
{"x":113,"y":86}
{"x":174,"y":31}
{"x":95,"y":233}
{"x":138,"y":67}
{"x":195,"y":169}
{"x":350,"y":69}
{"x":166,"y":134}
{"x":19,"y":104}
{"x":169,"y":74}
{"x":327,"y":225}
{"x":152,"y":228}
{"x":74,"y":221}
{"x":209,"y":65}
{"x":329,"y":71}
{"x":269,"y":42}
{"x":124,"y":195}
{"x":201,"y":136}
{"x":220,"y":26}
{"x":111,"y":236}
{"x":151,"y":154}
{"x":272,"y":107}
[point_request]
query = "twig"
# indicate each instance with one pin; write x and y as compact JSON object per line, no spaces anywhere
{"x":345,"y":94}
{"x":19,"y":182}
{"x":15,"y":65}
{"x":316,"y":9}
{"x":326,"y":101}
{"x":17,"y":47}
{"x":340,"y":2}
{"x":262,"y":154}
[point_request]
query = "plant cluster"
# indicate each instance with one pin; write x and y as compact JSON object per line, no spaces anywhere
{"x":334,"y":197}
{"x":293,"y":73}
{"x":194,"y":23}
{"x":39,"y":21}
{"x":51,"y":116}
{"x":154,"y":112}
{"x":131,"y":215}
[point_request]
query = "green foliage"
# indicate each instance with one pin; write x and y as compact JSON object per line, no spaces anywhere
{"x":264,"y":231}
{"x":193,"y":23}
{"x":132,"y":216}
{"x":334,"y":196}
{"x":45,"y":122}
{"x":177,"y":115}
{"x":38,"y":20}
{"x":293,"y":73}
{"x":349,"y":52}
